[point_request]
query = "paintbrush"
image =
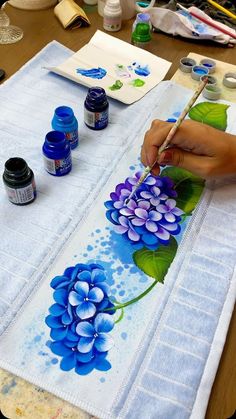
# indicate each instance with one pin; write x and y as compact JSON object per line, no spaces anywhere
{"x":169,"y":137}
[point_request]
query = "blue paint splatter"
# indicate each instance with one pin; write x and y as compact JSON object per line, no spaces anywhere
{"x":102,"y":379}
{"x":7,"y":388}
{"x":94,"y":73}
{"x":89,"y":248}
{"x":132,"y":167}
{"x":121,"y":293}
{"x":142,"y":70}
{"x":98,"y":230}
{"x":54,"y":361}
{"x":37,"y":338}
{"x":124,"y":335}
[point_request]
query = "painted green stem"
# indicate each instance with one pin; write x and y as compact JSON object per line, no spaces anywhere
{"x":134,"y":300}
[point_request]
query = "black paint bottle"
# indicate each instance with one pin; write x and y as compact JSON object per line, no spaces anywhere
{"x":19,"y":181}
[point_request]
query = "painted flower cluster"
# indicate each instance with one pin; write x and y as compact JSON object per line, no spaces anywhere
{"x":151,"y":216}
{"x":81,"y":319}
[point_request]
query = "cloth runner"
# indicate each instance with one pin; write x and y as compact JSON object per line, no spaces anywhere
{"x":164,"y":365}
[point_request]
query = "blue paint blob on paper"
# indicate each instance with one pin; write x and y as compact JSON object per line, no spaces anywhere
{"x":93,"y":73}
{"x":37,"y":338}
{"x":102,"y":380}
{"x":124,"y":335}
{"x":54,"y":361}
{"x":7,"y":387}
{"x":142,"y":70}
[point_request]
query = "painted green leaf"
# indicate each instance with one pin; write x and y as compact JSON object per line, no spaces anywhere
{"x":188,"y":187}
{"x":156,"y":263}
{"x":213,"y":114}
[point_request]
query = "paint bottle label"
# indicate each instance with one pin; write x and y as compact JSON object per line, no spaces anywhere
{"x":21,"y":195}
{"x":111,"y":23}
{"x":58,"y":167}
{"x":73,"y":138}
{"x":96,"y":120}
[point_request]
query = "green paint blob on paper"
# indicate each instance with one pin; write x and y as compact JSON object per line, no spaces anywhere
{"x":117,"y":85}
{"x":137,"y":83}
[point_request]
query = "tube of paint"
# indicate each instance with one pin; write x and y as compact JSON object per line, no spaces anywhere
{"x":96,"y":108}
{"x":65,"y":121}
{"x":57,"y":154}
{"x":19,"y":182}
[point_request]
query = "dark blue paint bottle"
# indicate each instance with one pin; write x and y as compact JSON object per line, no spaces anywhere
{"x":57,"y":154}
{"x":96,"y":108}
{"x":65,"y":121}
{"x":19,"y":181}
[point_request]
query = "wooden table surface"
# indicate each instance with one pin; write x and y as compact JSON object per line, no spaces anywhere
{"x":41,"y":27}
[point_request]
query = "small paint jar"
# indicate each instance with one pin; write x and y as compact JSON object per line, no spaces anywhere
{"x":186,"y":64}
{"x":57,"y":154}
{"x":210,"y":80}
{"x":96,"y":108}
{"x":142,"y":18}
{"x":141,"y":37}
{"x":198,"y":71}
{"x":112,"y":14}
{"x":209,"y":64}
{"x":65,"y":121}
{"x":19,"y":182}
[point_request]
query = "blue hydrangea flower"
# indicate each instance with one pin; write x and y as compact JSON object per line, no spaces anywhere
{"x":151,"y":217}
{"x":81,"y":293}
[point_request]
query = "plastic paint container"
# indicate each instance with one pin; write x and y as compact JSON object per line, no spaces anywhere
{"x":141,"y":35}
{"x":57,"y":154}
{"x":19,"y":182}
{"x":229,"y":80}
{"x":211,"y":92}
{"x":186,"y":64}
{"x":198,"y":71}
{"x":96,"y":108}
{"x":65,"y":121}
{"x":209,"y":64}
{"x":210,"y":80}
{"x":142,"y":18}
{"x":112,"y":14}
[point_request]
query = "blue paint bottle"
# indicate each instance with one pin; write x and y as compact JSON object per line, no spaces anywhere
{"x":96,"y":108}
{"x":57,"y":154}
{"x":65,"y":121}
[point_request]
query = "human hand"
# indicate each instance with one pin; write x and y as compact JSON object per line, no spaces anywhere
{"x":196,"y":147}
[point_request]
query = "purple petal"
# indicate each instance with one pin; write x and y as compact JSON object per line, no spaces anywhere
{"x":141,"y":213}
{"x":85,"y":329}
{"x":124,"y":193}
{"x":177,"y":211}
{"x":95,"y":295}
{"x":150,"y":180}
{"x":169,"y":217}
{"x":145,"y":194}
{"x":151,"y":226}
{"x":132,"y":180}
{"x":133,"y":235}
{"x":154,"y":216}
{"x":162,"y":208}
{"x":123,"y":221}
{"x":86,"y":310}
{"x":162,"y":234}
{"x":103,"y":323}
{"x":137,"y":221}
{"x":169,"y":227}
{"x":126,"y":211}
{"x":171,"y":203}
{"x":85,"y":345}
{"x":132,"y":204}
{"x":118,"y":204}
{"x":103,"y":342}
{"x":120,"y":229}
{"x":144,"y":205}
{"x":155,"y":201}
{"x":156,"y":191}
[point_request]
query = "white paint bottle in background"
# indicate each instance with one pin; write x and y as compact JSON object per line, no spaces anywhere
{"x":101,"y":5}
{"x":112,"y":16}
{"x":90,"y":2}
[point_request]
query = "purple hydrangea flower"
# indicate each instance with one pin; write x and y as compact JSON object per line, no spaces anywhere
{"x":151,"y":217}
{"x":77,"y":320}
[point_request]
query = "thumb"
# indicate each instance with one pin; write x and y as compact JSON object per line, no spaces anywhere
{"x":180,"y":158}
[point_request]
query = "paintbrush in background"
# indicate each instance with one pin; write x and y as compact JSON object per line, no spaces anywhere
{"x":169,"y":137}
